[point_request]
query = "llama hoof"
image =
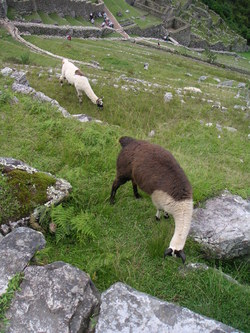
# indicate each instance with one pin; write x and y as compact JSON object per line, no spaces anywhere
{"x":175,"y":253}
{"x":111,"y":201}
{"x":138,"y":196}
{"x":166,"y":216}
{"x":157,"y":218}
{"x":180,"y":254}
{"x":168,"y":252}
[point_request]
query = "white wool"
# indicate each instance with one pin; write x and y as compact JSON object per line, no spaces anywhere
{"x":81,"y":83}
{"x":182,"y":212}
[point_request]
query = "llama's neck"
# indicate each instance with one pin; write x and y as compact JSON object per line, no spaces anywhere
{"x":91,"y":95}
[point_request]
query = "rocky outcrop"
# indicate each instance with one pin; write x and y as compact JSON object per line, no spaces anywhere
{"x":61,"y":298}
{"x":55,"y":194}
{"x":16,"y":250}
{"x":54,"y":298}
{"x":223,"y":226}
{"x":124,"y":309}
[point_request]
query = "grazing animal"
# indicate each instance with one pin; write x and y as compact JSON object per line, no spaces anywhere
{"x":157,"y":173}
{"x":75,"y":77}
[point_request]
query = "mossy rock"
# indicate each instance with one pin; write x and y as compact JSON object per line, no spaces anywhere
{"x":22,"y":192}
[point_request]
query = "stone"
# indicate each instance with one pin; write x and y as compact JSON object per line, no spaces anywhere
{"x":20,"y":77}
{"x":202,"y":78}
{"x":16,"y":250}
{"x":227,"y":83}
{"x":22,"y":89}
{"x":1,"y":237}
{"x":10,"y":226}
{"x":53,"y":298}
{"x":151,"y":134}
{"x":123,"y":310}
{"x":231,"y":129}
{"x":6,"y":71}
{"x":168,"y":97}
{"x":241,"y":85}
{"x":223,"y":226}
{"x":42,"y":97}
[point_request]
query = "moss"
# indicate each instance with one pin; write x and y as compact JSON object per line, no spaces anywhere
{"x":27,"y":190}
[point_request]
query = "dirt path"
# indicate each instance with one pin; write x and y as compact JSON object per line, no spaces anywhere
{"x":117,"y":25}
{"x":15,"y":34}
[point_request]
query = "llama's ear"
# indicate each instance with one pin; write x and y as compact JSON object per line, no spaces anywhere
{"x":180,"y":254}
{"x":168,"y":252}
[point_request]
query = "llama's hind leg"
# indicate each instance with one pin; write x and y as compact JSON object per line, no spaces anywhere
{"x":116,"y":184}
{"x":135,"y":190}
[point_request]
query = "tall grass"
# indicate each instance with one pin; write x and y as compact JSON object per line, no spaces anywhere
{"x":127,"y":244}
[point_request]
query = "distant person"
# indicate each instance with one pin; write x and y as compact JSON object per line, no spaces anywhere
{"x":103,"y":24}
{"x":159,"y":44}
{"x":68,"y":37}
{"x":91,"y":16}
{"x":92,"y":21}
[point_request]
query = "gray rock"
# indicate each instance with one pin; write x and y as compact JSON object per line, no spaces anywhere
{"x":20,"y":77}
{"x":6,"y":71}
{"x":54,"y":298}
{"x":202,"y":78}
{"x":124,"y":310}
{"x":22,"y":89}
{"x":241,"y":85}
{"x":227,"y":83}
{"x":16,"y":250}
{"x":223,"y":226}
{"x":168,"y":96}
{"x":10,"y":226}
{"x":42,"y":97}
{"x":1,"y":237}
{"x":231,"y":129}
{"x":151,"y":134}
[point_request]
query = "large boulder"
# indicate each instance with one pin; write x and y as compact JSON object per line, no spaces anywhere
{"x":124,"y":309}
{"x":223,"y":226}
{"x":16,"y":250}
{"x":54,"y":298}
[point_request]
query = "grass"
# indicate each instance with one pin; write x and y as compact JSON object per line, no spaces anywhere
{"x":6,"y":299}
{"x":127,"y":244}
{"x":136,"y":15}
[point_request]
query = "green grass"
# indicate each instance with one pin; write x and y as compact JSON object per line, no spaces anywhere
{"x":138,"y":16}
{"x":127,"y":244}
{"x":6,"y":298}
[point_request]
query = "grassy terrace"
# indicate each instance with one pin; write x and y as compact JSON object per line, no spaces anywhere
{"x":125,"y":243}
{"x":136,"y":15}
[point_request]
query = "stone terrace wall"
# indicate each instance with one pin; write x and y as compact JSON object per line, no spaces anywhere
{"x":3,"y":8}
{"x":62,"y":7}
{"x":179,"y":30}
{"x":53,"y":30}
{"x":155,"y":31}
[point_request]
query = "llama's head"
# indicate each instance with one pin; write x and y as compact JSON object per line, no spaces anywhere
{"x":99,"y":102}
{"x":175,"y":253}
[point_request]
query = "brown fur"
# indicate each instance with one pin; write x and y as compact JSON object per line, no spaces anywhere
{"x":151,"y":167}
{"x":78,"y":72}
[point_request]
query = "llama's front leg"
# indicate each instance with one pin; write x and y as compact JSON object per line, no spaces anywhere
{"x":79,"y":94}
{"x":158,"y":215}
{"x":61,"y":80}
